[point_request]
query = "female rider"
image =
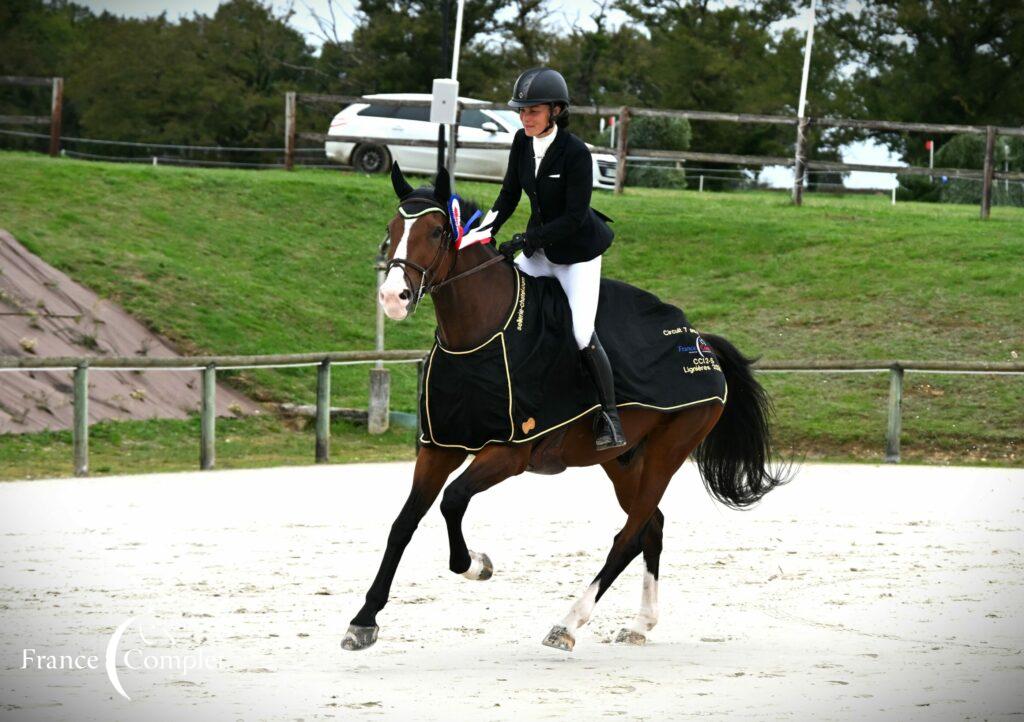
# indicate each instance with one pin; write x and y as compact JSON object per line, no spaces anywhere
{"x":565,"y":237}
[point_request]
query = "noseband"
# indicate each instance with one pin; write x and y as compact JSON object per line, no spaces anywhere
{"x":447,"y":244}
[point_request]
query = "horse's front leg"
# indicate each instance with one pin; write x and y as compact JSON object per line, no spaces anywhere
{"x":433,"y":465}
{"x":492,"y":465}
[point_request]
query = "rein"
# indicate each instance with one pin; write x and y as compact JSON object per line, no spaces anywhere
{"x":448,"y":239}
{"x":489,"y":262}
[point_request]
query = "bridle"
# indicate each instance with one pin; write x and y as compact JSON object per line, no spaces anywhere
{"x":446,"y":245}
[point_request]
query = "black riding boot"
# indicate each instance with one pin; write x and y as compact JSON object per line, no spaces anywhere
{"x":608,"y":432}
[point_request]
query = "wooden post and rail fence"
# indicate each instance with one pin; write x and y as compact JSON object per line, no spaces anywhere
{"x":209,"y":365}
{"x":56,"y":107}
{"x":987,"y":175}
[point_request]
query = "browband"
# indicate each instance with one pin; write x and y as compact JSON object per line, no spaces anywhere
{"x":430,"y":207}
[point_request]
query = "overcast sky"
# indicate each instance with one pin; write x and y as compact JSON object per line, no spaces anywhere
{"x":569,"y":11}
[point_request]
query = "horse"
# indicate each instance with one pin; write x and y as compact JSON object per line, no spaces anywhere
{"x":472,"y":289}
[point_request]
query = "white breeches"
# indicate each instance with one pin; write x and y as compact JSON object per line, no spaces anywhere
{"x":581,"y":283}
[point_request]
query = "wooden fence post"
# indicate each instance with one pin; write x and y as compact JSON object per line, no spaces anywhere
{"x":986,"y":182}
{"x":80,"y":428}
{"x":892,"y":434}
{"x":378,"y":413}
{"x":289,"y":130}
{"x":623,"y":142}
{"x":800,"y":161}
{"x":323,"y":411}
{"x":207,"y":423}
{"x":56,"y":110}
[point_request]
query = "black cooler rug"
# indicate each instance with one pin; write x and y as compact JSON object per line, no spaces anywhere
{"x":528,"y":379}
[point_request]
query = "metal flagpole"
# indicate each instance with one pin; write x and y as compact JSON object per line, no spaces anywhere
{"x":444,"y":56}
{"x":801,"y":127}
{"x":458,"y":40}
{"x":453,"y":129}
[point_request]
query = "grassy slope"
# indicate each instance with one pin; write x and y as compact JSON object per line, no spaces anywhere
{"x":258,"y":262}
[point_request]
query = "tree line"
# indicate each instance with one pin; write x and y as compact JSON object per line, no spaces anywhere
{"x":219,"y":79}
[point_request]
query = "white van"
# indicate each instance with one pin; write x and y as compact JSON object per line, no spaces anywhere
{"x":379,"y":119}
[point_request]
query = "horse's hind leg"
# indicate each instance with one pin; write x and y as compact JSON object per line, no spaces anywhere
{"x":647,"y":617}
{"x":667,"y":448}
{"x":626,"y":479}
{"x":492,"y":465}
{"x":433,"y":466}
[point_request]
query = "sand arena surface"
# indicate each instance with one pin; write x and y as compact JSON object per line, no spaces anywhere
{"x":856,"y":592}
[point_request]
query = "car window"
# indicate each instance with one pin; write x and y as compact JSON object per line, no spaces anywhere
{"x":380,"y":111}
{"x":412,"y":112}
{"x":473,"y":118}
{"x":510,"y":117}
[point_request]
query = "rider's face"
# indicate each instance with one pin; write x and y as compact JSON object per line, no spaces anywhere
{"x":535,"y":119}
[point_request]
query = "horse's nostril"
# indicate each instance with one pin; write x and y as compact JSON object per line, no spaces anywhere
{"x":404,"y":295}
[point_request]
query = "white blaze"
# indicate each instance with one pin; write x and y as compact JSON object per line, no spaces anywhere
{"x":394,"y":282}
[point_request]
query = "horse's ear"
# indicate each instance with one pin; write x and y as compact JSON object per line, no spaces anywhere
{"x":401,"y":186}
{"x":443,"y":187}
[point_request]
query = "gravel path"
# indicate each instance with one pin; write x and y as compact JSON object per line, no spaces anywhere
{"x":855,"y":592}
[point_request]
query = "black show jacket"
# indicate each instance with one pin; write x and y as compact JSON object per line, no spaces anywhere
{"x":561,"y":219}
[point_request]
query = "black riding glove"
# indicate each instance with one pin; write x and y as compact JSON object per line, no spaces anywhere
{"x":518,"y":243}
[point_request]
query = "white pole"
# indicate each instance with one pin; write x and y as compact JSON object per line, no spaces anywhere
{"x":700,"y":189}
{"x":458,"y":40}
{"x":1006,"y":165}
{"x":799,"y":162}
{"x":894,"y":195}
{"x":453,"y":130}
{"x":379,"y":345}
{"x":807,"y":62}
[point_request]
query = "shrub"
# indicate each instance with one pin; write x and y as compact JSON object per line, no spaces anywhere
{"x":655,"y":133}
{"x":968,"y":151}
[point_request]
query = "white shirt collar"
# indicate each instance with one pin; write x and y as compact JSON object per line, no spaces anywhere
{"x":541,"y":145}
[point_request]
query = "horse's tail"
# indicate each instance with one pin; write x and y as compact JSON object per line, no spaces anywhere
{"x":735,"y":459}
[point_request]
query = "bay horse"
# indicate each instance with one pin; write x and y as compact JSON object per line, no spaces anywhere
{"x":472,"y":291}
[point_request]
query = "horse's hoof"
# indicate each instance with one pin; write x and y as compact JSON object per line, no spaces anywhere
{"x":480,"y":567}
{"x":357,"y":637}
{"x":560,"y":638}
{"x":628,"y":636}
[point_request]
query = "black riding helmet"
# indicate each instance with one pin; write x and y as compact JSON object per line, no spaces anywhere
{"x":540,"y":85}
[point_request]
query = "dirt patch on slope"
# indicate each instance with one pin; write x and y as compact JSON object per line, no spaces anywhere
{"x":45,"y":313}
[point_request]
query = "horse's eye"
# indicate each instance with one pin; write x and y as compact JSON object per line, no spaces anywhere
{"x":437,"y":232}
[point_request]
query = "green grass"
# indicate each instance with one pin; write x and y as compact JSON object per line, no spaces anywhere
{"x":244,"y":262}
{"x":125,"y":447}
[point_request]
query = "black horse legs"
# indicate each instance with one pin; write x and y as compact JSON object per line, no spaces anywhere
{"x":667,"y":449}
{"x":432,"y":469}
{"x":492,"y":465}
